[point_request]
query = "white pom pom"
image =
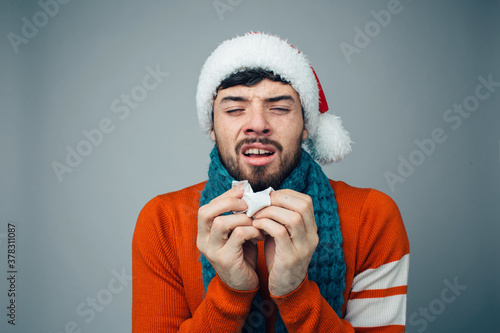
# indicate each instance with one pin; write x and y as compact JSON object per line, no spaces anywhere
{"x":330,"y":142}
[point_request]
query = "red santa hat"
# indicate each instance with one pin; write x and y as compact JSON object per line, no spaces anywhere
{"x":327,"y":140}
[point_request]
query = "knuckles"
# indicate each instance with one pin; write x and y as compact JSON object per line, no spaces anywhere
{"x":305,"y":205}
{"x":295,"y":219}
{"x":202,"y":213}
{"x":238,"y":233}
{"x":281,"y":232}
{"x":309,"y":203}
{"x":314,"y":241}
{"x":218,"y":225}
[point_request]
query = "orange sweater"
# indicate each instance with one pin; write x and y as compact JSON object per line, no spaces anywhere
{"x":168,"y":291}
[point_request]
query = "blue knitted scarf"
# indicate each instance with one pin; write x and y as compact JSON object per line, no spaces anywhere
{"x":327,"y":266}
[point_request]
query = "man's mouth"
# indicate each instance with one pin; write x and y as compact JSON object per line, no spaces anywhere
{"x":257,"y":154}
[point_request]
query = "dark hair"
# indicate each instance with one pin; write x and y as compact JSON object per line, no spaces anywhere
{"x":249,"y":77}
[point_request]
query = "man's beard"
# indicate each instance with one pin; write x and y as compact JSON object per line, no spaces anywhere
{"x":258,"y":176}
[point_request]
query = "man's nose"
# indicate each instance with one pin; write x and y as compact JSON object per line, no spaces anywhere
{"x":257,"y":123}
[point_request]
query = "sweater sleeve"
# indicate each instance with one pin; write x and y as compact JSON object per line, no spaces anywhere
{"x":159,"y":303}
{"x":377,"y":300}
{"x":305,"y":310}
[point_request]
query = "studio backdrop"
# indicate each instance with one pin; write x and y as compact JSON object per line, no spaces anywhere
{"x":98,"y":116}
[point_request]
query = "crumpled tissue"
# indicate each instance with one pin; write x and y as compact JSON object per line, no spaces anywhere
{"x":255,"y":201}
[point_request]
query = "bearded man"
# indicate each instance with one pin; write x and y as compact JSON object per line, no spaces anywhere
{"x":292,"y":252}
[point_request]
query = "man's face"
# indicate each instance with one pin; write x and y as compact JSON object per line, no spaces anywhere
{"x":258,"y":131}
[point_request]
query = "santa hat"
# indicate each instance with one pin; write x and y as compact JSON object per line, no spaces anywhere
{"x":327,"y":140}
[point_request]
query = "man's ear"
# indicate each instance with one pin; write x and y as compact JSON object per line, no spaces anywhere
{"x":212,"y":135}
{"x":304,"y":134}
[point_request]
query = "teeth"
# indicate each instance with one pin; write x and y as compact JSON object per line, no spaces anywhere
{"x":256,"y":151}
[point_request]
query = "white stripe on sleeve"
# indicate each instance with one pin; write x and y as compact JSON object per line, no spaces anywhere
{"x":373,"y":312}
{"x":393,"y":274}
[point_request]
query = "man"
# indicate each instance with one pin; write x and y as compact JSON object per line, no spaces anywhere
{"x":321,"y":256}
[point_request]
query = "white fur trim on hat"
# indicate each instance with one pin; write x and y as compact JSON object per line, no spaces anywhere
{"x":331,"y":142}
{"x":327,"y":142}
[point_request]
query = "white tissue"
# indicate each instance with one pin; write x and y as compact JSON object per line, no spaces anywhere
{"x":255,"y":201}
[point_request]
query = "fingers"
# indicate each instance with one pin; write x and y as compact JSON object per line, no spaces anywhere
{"x":291,"y":225}
{"x":222,"y":226}
{"x":277,"y":231}
{"x":228,"y":201}
{"x":296,"y":202}
{"x":292,"y":221}
{"x":223,"y":240}
{"x":241,"y":234}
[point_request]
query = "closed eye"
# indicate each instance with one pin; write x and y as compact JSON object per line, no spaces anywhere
{"x":281,"y":109}
{"x":234,"y":111}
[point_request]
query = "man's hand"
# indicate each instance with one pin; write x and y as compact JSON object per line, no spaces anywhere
{"x":228,"y":242}
{"x":292,"y":239}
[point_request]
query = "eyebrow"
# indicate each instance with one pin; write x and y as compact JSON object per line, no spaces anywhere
{"x":280,"y":98}
{"x":270,"y":99}
{"x":233,"y":99}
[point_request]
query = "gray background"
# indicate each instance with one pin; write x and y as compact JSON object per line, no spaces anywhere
{"x":73,"y":234}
